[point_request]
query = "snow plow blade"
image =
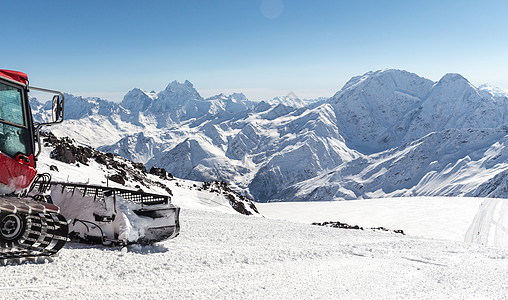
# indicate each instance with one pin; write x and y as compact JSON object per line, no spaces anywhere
{"x":115,"y":216}
{"x":30,"y":229}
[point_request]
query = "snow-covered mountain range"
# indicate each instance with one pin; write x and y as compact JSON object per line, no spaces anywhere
{"x":385,"y":133}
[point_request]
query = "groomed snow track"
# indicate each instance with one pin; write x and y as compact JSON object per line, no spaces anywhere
{"x":30,"y":229}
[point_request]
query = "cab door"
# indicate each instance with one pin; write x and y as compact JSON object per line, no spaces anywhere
{"x":17,"y":164}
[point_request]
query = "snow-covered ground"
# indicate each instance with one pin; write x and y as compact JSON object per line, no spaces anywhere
{"x":221,"y":254}
{"x":432,"y":217}
{"x":482,"y":221}
{"x":230,"y":256}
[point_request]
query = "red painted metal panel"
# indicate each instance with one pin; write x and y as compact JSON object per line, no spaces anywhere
{"x":15,"y":75}
{"x":16,"y":173}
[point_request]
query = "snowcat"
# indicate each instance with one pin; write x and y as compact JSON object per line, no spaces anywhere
{"x":32,"y":224}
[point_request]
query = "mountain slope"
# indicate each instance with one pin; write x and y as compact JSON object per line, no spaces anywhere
{"x":448,"y":163}
{"x":387,"y":132}
{"x":67,"y":161}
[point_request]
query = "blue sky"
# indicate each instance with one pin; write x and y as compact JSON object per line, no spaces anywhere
{"x":264,"y":48}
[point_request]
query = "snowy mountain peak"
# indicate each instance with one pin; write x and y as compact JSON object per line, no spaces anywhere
{"x":34,"y":102}
{"x":176,"y":83}
{"x":77,"y":107}
{"x":453,"y":78}
{"x":135,"y":91}
{"x":176,"y":89}
{"x":235,"y":97}
{"x":393,"y":76}
{"x":494,"y":91}
{"x":136,"y":100}
{"x":262,"y":106}
{"x":239,"y":96}
{"x":217,"y":97}
{"x":290,"y":99}
{"x":180,"y":100}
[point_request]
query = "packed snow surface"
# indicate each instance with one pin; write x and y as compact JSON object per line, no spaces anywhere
{"x":230,"y":256}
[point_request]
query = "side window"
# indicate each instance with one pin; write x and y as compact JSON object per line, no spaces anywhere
{"x":14,"y":136}
{"x":13,"y":140}
{"x":11,"y":106}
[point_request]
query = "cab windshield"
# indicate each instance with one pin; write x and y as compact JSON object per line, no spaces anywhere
{"x":14,"y":134}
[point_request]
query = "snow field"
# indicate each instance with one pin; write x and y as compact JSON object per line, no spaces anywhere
{"x":481,"y":221}
{"x":432,"y":217}
{"x":231,"y":256}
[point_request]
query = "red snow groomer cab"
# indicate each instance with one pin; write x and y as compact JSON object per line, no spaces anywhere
{"x":29,"y":226}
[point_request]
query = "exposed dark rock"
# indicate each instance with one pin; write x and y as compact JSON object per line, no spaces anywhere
{"x":65,"y":150}
{"x":101,"y":159}
{"x":338,"y":225}
{"x":160,"y":172}
{"x":117,"y":178}
{"x":239,"y":202}
{"x":63,"y":154}
{"x":238,"y":205}
{"x":139,"y":166}
{"x":347,"y":226}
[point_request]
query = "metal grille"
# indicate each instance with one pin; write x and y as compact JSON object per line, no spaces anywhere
{"x":98,"y":192}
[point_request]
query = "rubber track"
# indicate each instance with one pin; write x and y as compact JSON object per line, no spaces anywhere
{"x":45,"y":232}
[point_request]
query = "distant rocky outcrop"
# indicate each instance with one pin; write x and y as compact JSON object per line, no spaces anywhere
{"x":341,"y":225}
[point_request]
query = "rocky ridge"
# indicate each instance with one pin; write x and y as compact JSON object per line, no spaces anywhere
{"x":121,"y":170}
